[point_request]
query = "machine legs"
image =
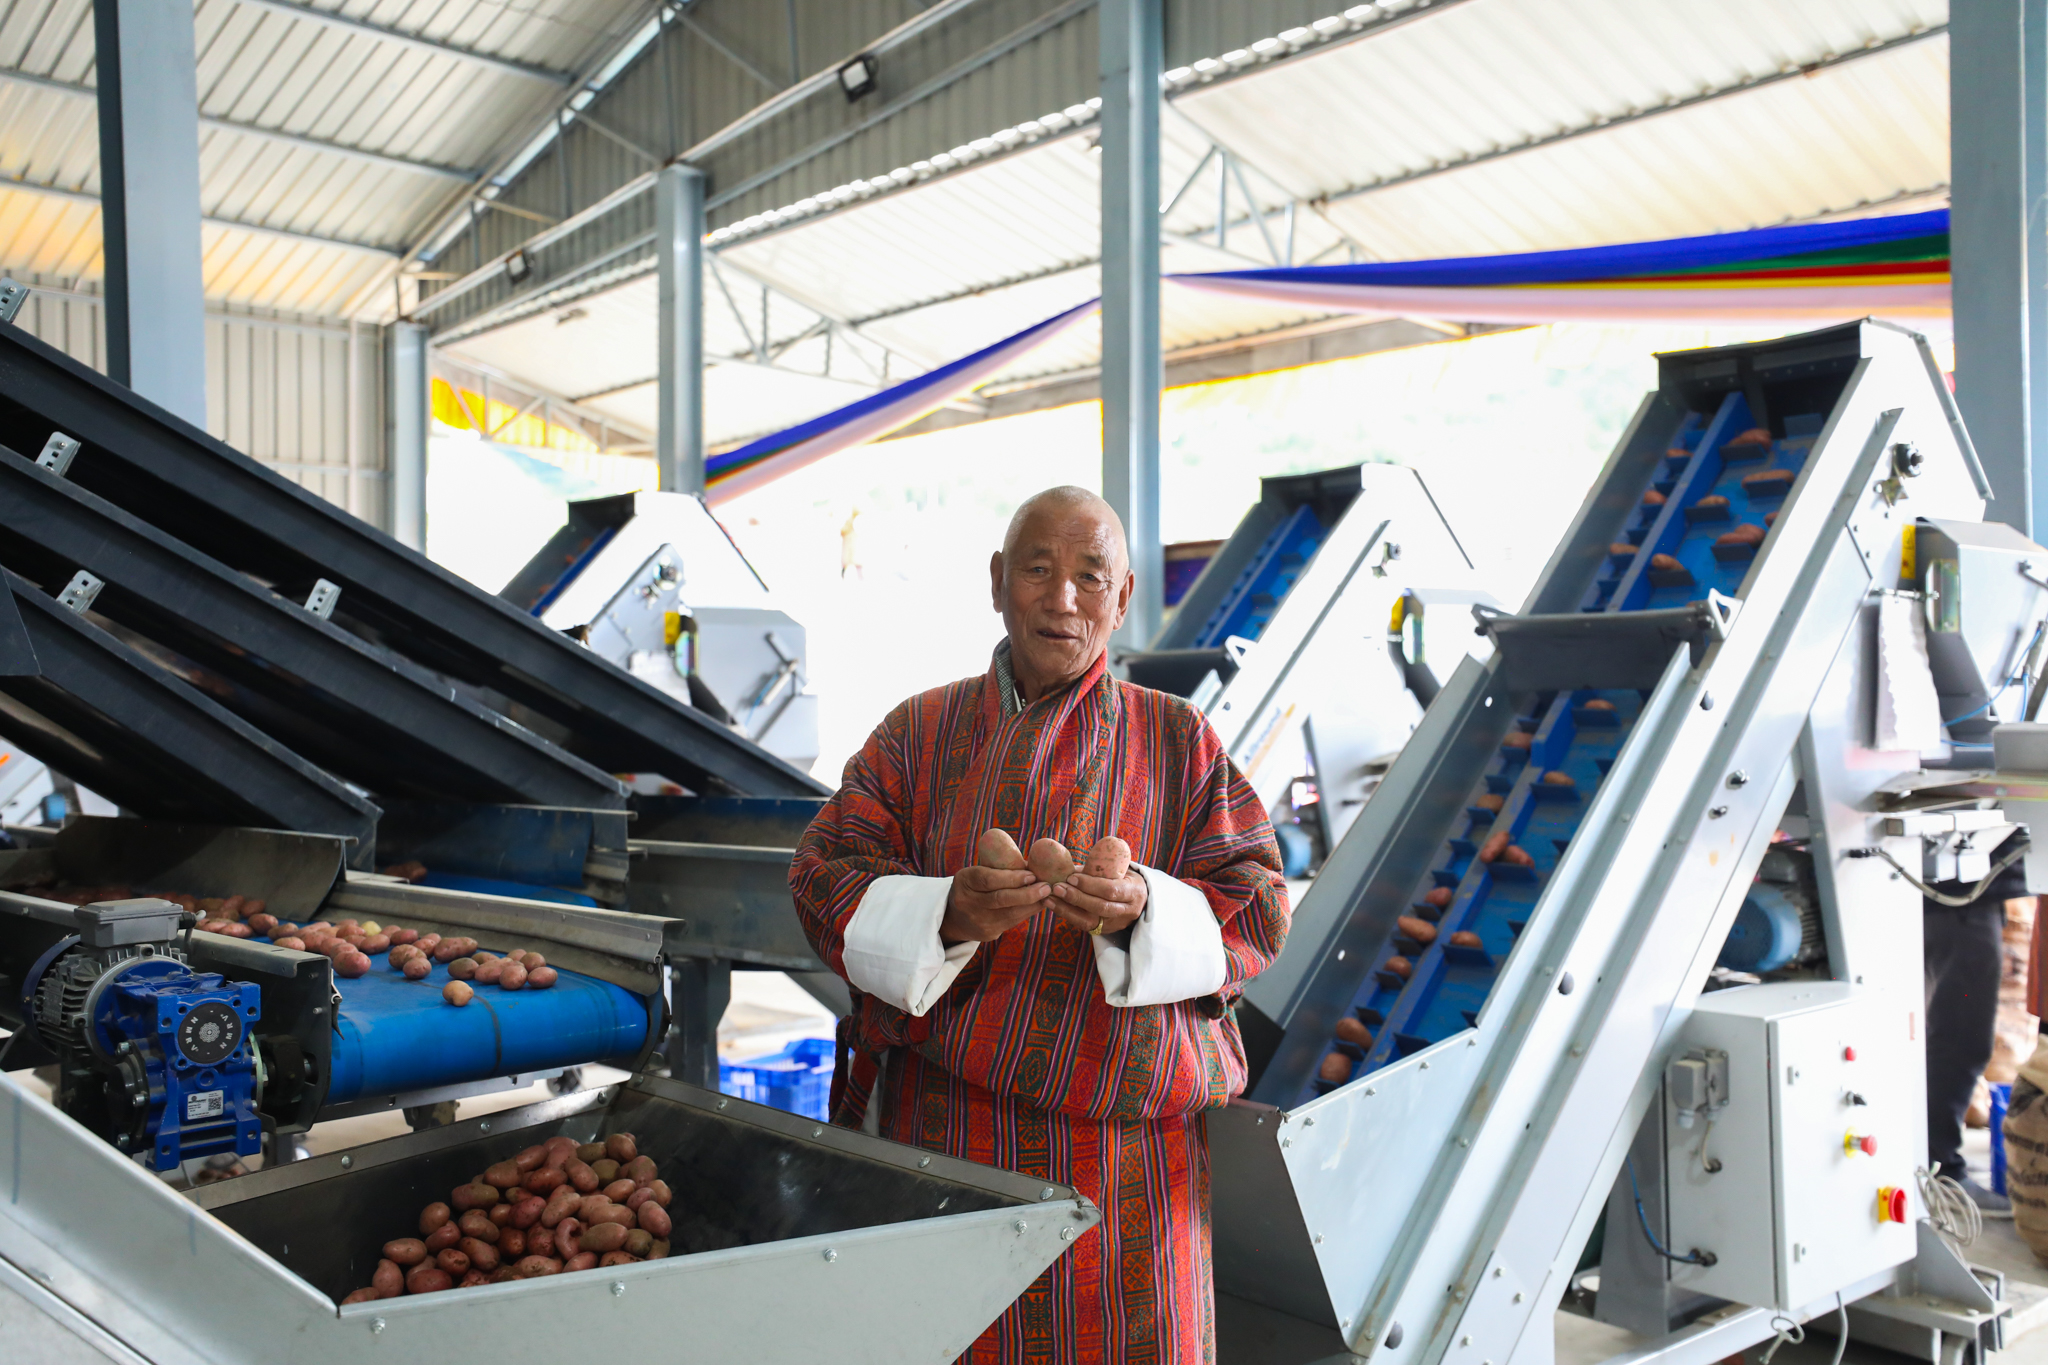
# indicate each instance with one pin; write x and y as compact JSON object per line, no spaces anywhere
{"x":699,"y":990}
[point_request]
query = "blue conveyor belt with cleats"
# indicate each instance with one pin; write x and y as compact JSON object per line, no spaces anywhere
{"x":1576,"y":734}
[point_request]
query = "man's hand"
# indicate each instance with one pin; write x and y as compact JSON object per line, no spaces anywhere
{"x":1088,"y":902}
{"x":988,"y":902}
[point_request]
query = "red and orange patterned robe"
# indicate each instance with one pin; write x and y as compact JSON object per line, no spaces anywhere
{"x":1023,"y":1064}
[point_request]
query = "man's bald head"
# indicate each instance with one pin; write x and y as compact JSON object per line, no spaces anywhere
{"x":1068,"y":503}
{"x":1062,"y":582}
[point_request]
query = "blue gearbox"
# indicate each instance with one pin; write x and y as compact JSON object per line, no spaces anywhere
{"x":182,"y":1043}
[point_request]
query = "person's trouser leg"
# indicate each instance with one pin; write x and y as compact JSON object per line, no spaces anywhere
{"x":1965,"y":956}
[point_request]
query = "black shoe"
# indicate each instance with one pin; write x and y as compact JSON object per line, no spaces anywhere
{"x":1990,"y":1203}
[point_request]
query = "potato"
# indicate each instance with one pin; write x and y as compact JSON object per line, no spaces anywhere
{"x":1110,"y":859}
{"x":487,"y":973}
{"x":408,"y":937}
{"x":511,"y":1244}
{"x":662,"y":1194}
{"x":409,"y":1250}
{"x":1653,"y":499}
{"x":559,"y":1205}
{"x":1336,"y":1069}
{"x":474,"y":1278}
{"x":401,"y":954}
{"x":1438,"y":896}
{"x":1400,"y":966}
{"x":208,"y":905}
{"x":611,"y":1213}
{"x":533,"y":962}
{"x":319,"y":926}
{"x":658,"y":1251}
{"x":1517,"y":739}
{"x":527,"y":1210}
{"x":1770,"y":518}
{"x":476,"y":1195}
{"x":619,"y":1191}
{"x":443,"y":1237}
{"x":566,"y":1234}
{"x":1621,"y":548}
{"x":1421,"y":930}
{"x":1349,"y":1030}
{"x":560,"y":1149}
{"x":233,"y":929}
{"x":448,"y":949}
{"x":1051,"y":862}
{"x":590,"y":1153}
{"x":995,"y":848}
{"x":1517,"y":856}
{"x":530,"y":1158}
{"x":428,"y":1279}
{"x":503,"y":1174}
{"x":416,"y":968}
{"x":477,"y":1223}
{"x":654,"y":1218}
{"x":640,"y":1170}
{"x":605,"y":1168}
{"x":530,"y":1267}
{"x":581,"y":1176}
{"x":1597,"y":704}
{"x":1465,"y":938}
{"x":295,"y":944}
{"x":1745,"y":534}
{"x":426,"y":943}
{"x":361,"y":1296}
{"x":1755,"y":436}
{"x":501,"y":1214}
{"x":639,"y":1241}
{"x":371,"y":926}
{"x":504,"y":1274}
{"x":1492,"y":801}
{"x":432,"y":1216}
{"x":540,"y":978}
{"x":544,"y":1180}
{"x":1496,"y":844}
{"x":1713,"y":502}
{"x":348,"y":926}
{"x":1557,"y":778}
{"x":603,"y":1237}
{"x":389,"y":1281}
{"x":512,"y":978}
{"x":582,"y":1260}
{"x":618,"y":1258}
{"x":351,"y":964}
{"x":590,"y":1205}
{"x":456,"y":993}
{"x":482,"y":1254}
{"x":374,"y":944}
{"x":262,"y":924}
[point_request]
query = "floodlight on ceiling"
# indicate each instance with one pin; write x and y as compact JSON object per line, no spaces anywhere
{"x":518,"y":266}
{"x":857,"y":77}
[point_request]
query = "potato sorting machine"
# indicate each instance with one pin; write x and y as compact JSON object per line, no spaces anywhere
{"x":1493,"y":1021}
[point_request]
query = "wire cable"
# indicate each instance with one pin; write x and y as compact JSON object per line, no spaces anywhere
{"x":1942,"y":897}
{"x":1841,"y":1328}
{"x":1949,"y":1207}
{"x":1694,"y":1257}
{"x":1791,"y":1332}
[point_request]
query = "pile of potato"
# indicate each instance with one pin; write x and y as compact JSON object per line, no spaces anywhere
{"x":352,"y":943}
{"x":555,"y":1207}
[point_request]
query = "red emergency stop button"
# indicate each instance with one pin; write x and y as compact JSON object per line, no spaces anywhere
{"x":1853,"y":1143}
{"x":1891,"y":1204}
{"x":1848,"y":1054}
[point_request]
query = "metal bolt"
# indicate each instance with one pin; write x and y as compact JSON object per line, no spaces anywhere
{"x":830,"y":1254}
{"x":1497,"y":1272}
{"x":1319,"y":1239}
{"x":723,"y":1103}
{"x":1738,"y":778}
{"x":1045,"y":1193}
{"x":1308,"y":1122}
{"x":1066,"y":1234}
{"x":618,"y":1288}
{"x":376,"y":1325}
{"x":1465,"y":1341}
{"x":347,"y":1162}
{"x":1370,"y":1092}
{"x":1518,"y":1297}
{"x":1464,"y":1142}
{"x":1425,"y":1066}
{"x":1706,"y":701}
{"x":923,"y":1162}
{"x":1716,"y":812}
{"x":817,"y":1132}
{"x":484,"y":1127}
{"x":1021,"y":1225}
{"x":1286,"y":1142}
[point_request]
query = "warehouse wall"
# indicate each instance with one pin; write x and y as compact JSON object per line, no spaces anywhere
{"x":306,"y":398}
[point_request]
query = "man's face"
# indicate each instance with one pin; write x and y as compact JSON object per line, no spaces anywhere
{"x":1061,"y":592}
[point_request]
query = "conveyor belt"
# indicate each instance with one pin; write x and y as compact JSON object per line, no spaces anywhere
{"x":249,"y":518}
{"x":1445,"y":985}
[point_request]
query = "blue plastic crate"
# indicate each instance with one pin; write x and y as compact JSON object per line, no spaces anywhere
{"x":797,"y":1080}
{"x":2001,"y":1096}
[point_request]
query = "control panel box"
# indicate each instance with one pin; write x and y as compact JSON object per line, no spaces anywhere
{"x":1795,"y":1118}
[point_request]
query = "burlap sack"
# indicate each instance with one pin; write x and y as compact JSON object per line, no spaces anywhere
{"x":2026,"y":1154}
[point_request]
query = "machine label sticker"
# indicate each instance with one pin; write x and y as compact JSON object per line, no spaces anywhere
{"x":208,"y":1104}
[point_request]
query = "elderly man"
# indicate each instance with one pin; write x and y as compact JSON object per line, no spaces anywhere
{"x":1077,"y":1031}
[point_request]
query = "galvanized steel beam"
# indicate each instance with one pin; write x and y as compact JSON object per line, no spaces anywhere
{"x":407,"y":407}
{"x":385,"y":34}
{"x":679,"y":248}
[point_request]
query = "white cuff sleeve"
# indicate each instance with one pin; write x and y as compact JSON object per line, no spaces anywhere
{"x":1176,"y":950}
{"x":893,"y":950}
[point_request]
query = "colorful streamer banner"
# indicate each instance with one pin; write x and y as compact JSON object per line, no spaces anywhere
{"x":1801,"y":274}
{"x":763,"y":461}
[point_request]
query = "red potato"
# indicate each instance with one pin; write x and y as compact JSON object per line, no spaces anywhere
{"x":622,"y":1147}
{"x":658,"y":1192}
{"x":1665,"y":563}
{"x":1517,"y":856}
{"x":588,"y":1207}
{"x":1518,"y":739}
{"x":1557,"y":778}
{"x":526,"y":1210}
{"x":234,"y":929}
{"x":995,"y":848}
{"x":457,"y":993}
{"x":1745,"y":534}
{"x":531,"y":1158}
{"x":408,"y":937}
{"x":1438,"y":896}
{"x":658,"y":1251}
{"x":540,"y":978}
{"x":361,"y":1296}
{"x":1496,"y":844}
{"x":662,"y":1194}
{"x":1421,"y":930}
{"x":501,"y":1214}
{"x":503,"y":1174}
{"x":1335,"y":1070}
{"x":1621,"y":548}
{"x":476,"y":1195}
{"x":1755,"y":436}
{"x":581,"y":1176}
{"x":428,"y":942}
{"x":482,"y":1254}
{"x":487,"y":973}
{"x":408,"y":1250}
{"x":582,"y":1260}
{"x":1465,"y":938}
{"x":513,"y":978}
{"x":1349,"y":1030}
{"x":639,"y":1242}
{"x":504,"y":1274}
{"x":590,"y":1153}
{"x":546,"y":1180}
{"x":262,"y":924}
{"x":637,"y":1196}
{"x":611,"y":1213}
{"x":474,"y":1278}
{"x":1400,"y":966}
{"x":237,"y":907}
{"x":1713,"y":502}
{"x":640,"y":1170}
{"x":389,"y":1281}
{"x":1050,"y":861}
{"x":453,"y":1260}
{"x":1110,"y":859}
{"x":655,"y":1219}
{"x":531,"y":1267}
{"x":351,"y":964}
{"x":560,"y":1149}
{"x":443,"y":1237}
{"x":1492,"y":801}
{"x":1597,"y":704}
{"x":448,"y":949}
{"x":619,"y":1191}
{"x":603,"y":1237}
{"x":428,"y":1279}
{"x":375,"y":943}
{"x":417,"y":968}
{"x":402,"y":953}
{"x":432,"y":1216}
{"x":477,"y":1223}
{"x":533,"y":962}
{"x":511,"y":1244}
{"x":255,"y":905}
{"x":566,"y":1234}
{"x":1653,"y":499}
{"x":559,"y":1205}
{"x":618,"y":1258}
{"x":607,"y":1169}
{"x":208,"y":905}
{"x":296,"y":945}
{"x":348,"y":926}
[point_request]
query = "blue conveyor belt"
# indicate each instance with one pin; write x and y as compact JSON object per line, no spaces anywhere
{"x":396,"y":1035}
{"x":1446,"y":986}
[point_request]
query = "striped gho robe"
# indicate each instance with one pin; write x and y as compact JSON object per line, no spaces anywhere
{"x":1086,"y":1060}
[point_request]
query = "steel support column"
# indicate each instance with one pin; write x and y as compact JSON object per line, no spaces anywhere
{"x":406,"y":413}
{"x":149,"y":202}
{"x":679,"y":250}
{"x":1132,"y":56}
{"x":1998,"y":141}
